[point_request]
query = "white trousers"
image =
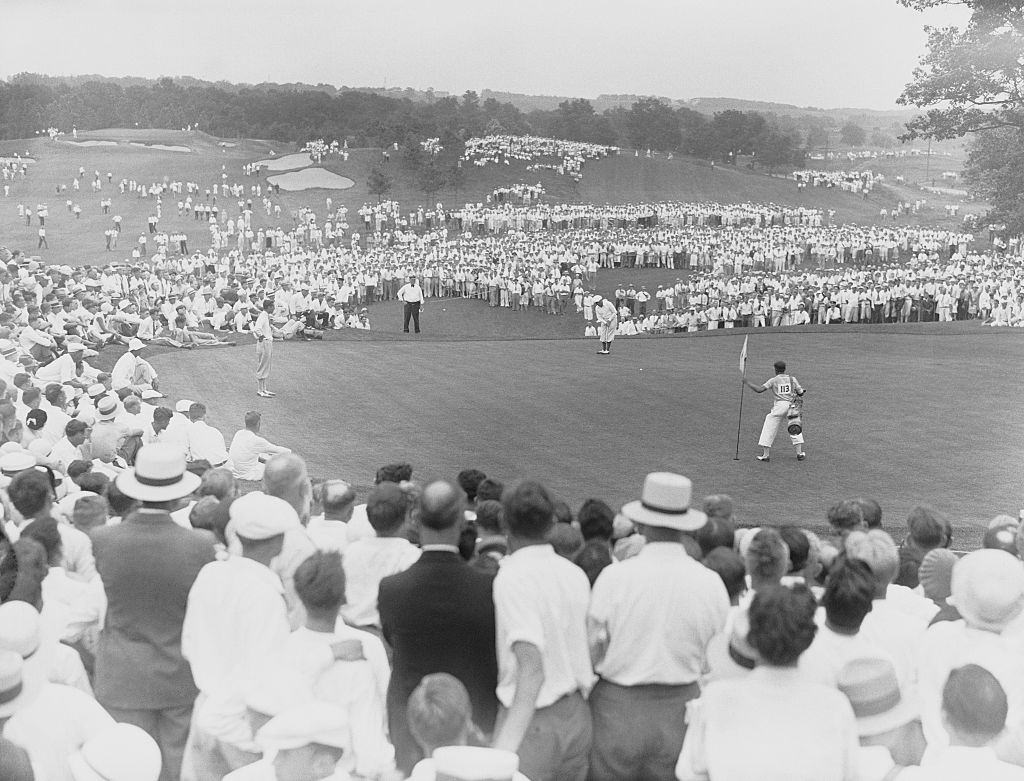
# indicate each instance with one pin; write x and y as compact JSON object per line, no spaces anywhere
{"x":772,"y":421}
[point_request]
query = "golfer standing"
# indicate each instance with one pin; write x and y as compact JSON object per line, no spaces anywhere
{"x":411,"y":295}
{"x":264,"y":333}
{"x":607,"y":323}
{"x":785,"y":389}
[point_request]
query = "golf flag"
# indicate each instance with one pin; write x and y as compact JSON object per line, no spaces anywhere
{"x":743,"y":356}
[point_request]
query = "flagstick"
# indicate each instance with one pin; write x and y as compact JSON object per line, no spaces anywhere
{"x":739,"y":422}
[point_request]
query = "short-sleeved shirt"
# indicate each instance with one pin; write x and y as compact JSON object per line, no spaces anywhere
{"x":784,"y":387}
{"x":542,"y":599}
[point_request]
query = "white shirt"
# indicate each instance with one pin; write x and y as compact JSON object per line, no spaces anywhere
{"x":410,"y":293}
{"x":75,"y":609}
{"x":957,"y":763}
{"x":235,"y":625}
{"x":358,"y":688}
{"x":245,"y":451}
{"x":657,"y":611}
{"x":830,"y":652}
{"x":898,"y":633}
{"x":206,"y":442}
{"x":60,"y":370}
{"x":367,"y":562}
{"x":541,"y":598}
{"x":328,"y":535}
{"x":773,"y":725}
{"x":54,"y":725}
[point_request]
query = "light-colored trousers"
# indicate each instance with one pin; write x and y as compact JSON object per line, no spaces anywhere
{"x":777,"y":417}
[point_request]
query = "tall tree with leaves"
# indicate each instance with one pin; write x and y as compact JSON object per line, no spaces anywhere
{"x":379,"y":183}
{"x":971,"y":78}
{"x":971,"y":82}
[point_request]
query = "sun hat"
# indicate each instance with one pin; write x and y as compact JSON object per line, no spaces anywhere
{"x":665,"y":502}
{"x":311,"y":722}
{"x":76,"y":347}
{"x":96,"y":390}
{"x":871,"y":686}
{"x":183,"y":405}
{"x":135,"y":344}
{"x":107,"y":407}
{"x":473,"y":763}
{"x":19,"y":628}
{"x":18,"y":685}
{"x":121,"y":752}
{"x":159,"y":475}
{"x":259,"y":516}
{"x":18,"y":461}
{"x":936,"y":573}
{"x":988,"y":589}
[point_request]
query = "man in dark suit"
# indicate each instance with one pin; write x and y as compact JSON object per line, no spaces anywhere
{"x":148,"y":564}
{"x":438,"y":616}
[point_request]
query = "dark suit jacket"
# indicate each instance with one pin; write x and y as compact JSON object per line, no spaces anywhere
{"x":438,"y":616}
{"x":148,"y":564}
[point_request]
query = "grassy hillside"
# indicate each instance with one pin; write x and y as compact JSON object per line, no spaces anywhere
{"x":619,"y":179}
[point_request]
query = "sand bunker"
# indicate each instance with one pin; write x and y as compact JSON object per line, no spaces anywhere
{"x":311,"y":179}
{"x":287,"y":162}
{"x":162,"y":147}
{"x":92,"y":143}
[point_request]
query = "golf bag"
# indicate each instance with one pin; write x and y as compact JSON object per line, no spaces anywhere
{"x":794,"y":418}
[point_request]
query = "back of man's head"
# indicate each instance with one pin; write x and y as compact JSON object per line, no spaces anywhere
{"x":718,"y":532}
{"x":338,"y":499}
{"x":928,"y":529}
{"x":767,"y":557}
{"x":876,"y":549}
{"x":490,"y":517}
{"x":385,"y":508}
{"x":197,"y":411}
{"x":846,"y":516}
{"x":489,"y":488}
{"x":729,"y":566}
{"x":90,"y":511}
{"x":30,"y":492}
{"x":848,"y":596}
{"x":439,"y":712}
{"x":394,"y":473}
{"x":320,"y":583}
{"x":286,"y":478}
{"x":162,"y":414}
{"x":469,"y":479}
{"x":872,"y":512}
{"x":974,"y":706}
{"x":799,"y":547}
{"x":442,"y":506}
{"x":596,"y":520}
{"x":252,"y":420}
{"x":219,"y":483}
{"x":529,"y":510}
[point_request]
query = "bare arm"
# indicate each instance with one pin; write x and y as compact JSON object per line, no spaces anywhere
{"x":755,"y":388}
{"x":529,"y":679}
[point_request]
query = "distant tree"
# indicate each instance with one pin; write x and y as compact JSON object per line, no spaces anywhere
{"x":970,"y":78}
{"x":777,"y":148}
{"x":456,"y":178}
{"x":852,"y":134}
{"x":431,"y":179}
{"x":882,"y":139}
{"x":379,"y":183}
{"x":816,"y":133}
{"x":995,"y":171}
{"x":652,"y":124}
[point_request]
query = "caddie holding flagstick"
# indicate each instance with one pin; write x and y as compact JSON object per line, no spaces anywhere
{"x":786,"y":407}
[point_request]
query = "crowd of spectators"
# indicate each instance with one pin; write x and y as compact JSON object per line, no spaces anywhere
{"x":534,"y":150}
{"x":210,"y":612}
{"x":849,"y":181}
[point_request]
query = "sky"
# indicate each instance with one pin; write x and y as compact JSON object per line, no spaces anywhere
{"x":825,"y":53}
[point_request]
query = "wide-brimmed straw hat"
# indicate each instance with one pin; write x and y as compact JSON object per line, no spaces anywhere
{"x":159,"y":475}
{"x":665,"y":502}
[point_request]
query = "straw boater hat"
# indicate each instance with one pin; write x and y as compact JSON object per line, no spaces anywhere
{"x":122,"y":752}
{"x":871,"y":686}
{"x":106,"y":407}
{"x":665,"y":502}
{"x":159,"y":475}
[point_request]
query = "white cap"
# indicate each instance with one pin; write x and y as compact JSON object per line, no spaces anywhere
{"x":122,"y":752}
{"x":258,"y":516}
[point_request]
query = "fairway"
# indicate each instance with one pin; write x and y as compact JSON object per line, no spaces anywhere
{"x":902,"y":418}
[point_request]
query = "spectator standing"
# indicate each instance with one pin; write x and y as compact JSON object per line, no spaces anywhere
{"x":430,"y":631}
{"x":650,"y":621}
{"x":148,"y":563}
{"x":544,"y":671}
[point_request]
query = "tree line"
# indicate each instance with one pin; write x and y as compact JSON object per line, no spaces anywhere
{"x":30,"y":103}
